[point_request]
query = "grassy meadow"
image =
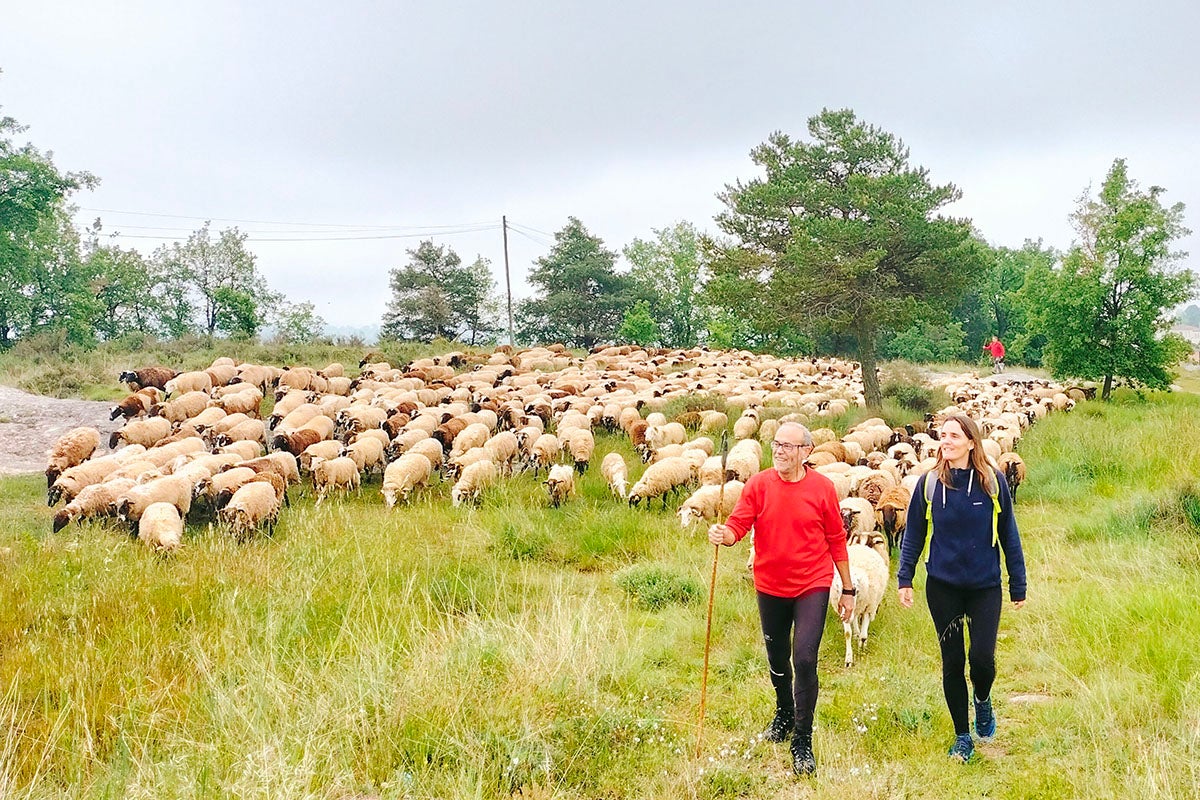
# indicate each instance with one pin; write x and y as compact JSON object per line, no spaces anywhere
{"x":513,"y":650}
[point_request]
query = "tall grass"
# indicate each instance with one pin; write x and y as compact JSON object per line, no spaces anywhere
{"x":509,"y":649}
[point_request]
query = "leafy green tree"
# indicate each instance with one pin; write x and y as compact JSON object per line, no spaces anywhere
{"x":1105,"y":310}
{"x":41,"y":283}
{"x":435,"y":295}
{"x":210,"y":279}
{"x":297,"y":323}
{"x":638,"y":327}
{"x":123,"y":284}
{"x":927,"y":341}
{"x":842,"y":232}
{"x":581,"y":298}
{"x":996,"y":304}
{"x":669,"y":273}
{"x":237,"y":314}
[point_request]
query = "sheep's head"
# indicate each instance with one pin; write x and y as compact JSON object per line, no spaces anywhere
{"x":62,"y":519}
{"x":848,"y":516}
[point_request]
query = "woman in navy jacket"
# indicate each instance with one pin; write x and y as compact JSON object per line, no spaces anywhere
{"x":959,"y":520}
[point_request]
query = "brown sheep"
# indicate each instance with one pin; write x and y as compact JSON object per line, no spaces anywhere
{"x":148,"y":376}
{"x":73,"y":448}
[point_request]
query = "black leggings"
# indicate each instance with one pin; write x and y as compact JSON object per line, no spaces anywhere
{"x":949,"y":606}
{"x":807,"y":615}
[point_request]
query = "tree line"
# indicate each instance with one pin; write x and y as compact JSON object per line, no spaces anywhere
{"x":840,"y":245}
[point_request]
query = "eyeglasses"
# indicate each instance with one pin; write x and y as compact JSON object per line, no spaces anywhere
{"x":787,"y":447}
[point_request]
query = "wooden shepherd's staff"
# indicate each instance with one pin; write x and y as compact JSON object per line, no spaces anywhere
{"x":712,"y":591}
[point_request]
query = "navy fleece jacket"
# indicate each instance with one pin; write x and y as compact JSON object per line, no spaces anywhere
{"x":961,"y":552}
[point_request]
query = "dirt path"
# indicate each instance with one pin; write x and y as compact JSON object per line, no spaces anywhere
{"x":30,"y":424}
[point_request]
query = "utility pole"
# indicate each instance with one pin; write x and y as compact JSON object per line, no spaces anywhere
{"x":507,"y":280}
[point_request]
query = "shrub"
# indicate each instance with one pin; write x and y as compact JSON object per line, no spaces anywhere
{"x":654,"y":587}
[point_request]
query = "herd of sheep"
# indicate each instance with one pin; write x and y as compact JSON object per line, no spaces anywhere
{"x":195,"y":447}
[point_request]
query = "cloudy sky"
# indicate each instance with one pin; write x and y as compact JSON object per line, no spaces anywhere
{"x":339,"y":134}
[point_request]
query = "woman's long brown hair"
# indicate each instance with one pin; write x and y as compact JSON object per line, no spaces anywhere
{"x":979,"y":462}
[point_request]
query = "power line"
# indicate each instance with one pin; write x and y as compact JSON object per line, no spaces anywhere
{"x":527,"y":236}
{"x":293,"y":224}
{"x":427,"y":235}
{"x":531,"y":228}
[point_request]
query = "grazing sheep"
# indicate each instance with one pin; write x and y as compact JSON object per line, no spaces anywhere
{"x":545,"y":451}
{"x":173,"y":489}
{"x":296,"y":442}
{"x":252,"y":506}
{"x":161,"y":528}
{"x":872,"y":487}
{"x":189,"y":382}
{"x":744,"y":460}
{"x":148,"y":376}
{"x":326,"y":448}
{"x":1013,"y":467}
{"x":745,"y":426}
{"x":135,"y":404}
{"x":246,"y":401}
{"x":616,"y":474}
{"x":72,"y":449}
{"x":282,"y":464}
{"x":182,"y":407}
{"x":582,"y":444}
{"x":702,"y":505}
{"x":560,"y":483}
{"x":246,"y":449}
{"x":248,"y":430}
{"x":146,"y":432}
{"x":93,"y":501}
{"x":216,"y":491}
{"x":366,"y":453}
{"x":660,"y":479}
{"x":869,"y":575}
{"x":404,"y":475}
{"x":475,"y":478}
{"x":332,"y":474}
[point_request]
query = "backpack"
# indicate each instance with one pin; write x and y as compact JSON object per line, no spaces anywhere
{"x":930,"y":486}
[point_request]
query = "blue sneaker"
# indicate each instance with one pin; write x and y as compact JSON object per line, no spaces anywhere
{"x":985,"y":719}
{"x":963,"y":748}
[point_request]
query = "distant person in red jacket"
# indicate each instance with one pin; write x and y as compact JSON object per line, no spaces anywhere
{"x":798,"y":541}
{"x":996,"y":348}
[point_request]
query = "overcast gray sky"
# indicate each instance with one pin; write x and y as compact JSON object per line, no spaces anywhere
{"x":390,"y":118}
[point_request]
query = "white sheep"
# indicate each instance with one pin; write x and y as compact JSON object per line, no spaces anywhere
{"x":94,"y":500}
{"x":858,"y":515}
{"x":660,"y":479}
{"x":869,"y":575}
{"x":252,"y":506}
{"x":560,"y":483}
{"x":174,"y":489}
{"x":475,"y":478}
{"x":72,"y":448}
{"x":616,"y":474}
{"x":702,"y":505}
{"x":161,"y":527}
{"x":332,"y":474}
{"x":404,"y":475}
{"x":582,"y":444}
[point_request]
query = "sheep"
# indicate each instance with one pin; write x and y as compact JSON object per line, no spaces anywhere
{"x":296,"y":442}
{"x":245,"y":449}
{"x":858,"y":515}
{"x":745,"y":426}
{"x":659,"y":479}
{"x":474,"y":435}
{"x":616,"y":474}
{"x":366,"y":453}
{"x":73,"y":480}
{"x":713,"y":421}
{"x":891,"y":514}
{"x":711,"y":472}
{"x":148,"y":376}
{"x":146,"y":432}
{"x":1013,"y":468}
{"x":182,"y":407}
{"x":161,"y":527}
{"x":72,"y":448}
{"x":252,"y":506}
{"x":173,"y":489}
{"x":872,"y":487}
{"x":189,"y":382}
{"x":94,"y":500}
{"x":545,"y":451}
{"x":582,"y":444}
{"x":334,"y":473}
{"x":430,"y":449}
{"x":560,"y":483}
{"x":502,"y":449}
{"x":135,"y":404}
{"x":869,"y":576}
{"x":326,"y":448}
{"x":475,"y":478}
{"x":248,"y":430}
{"x":658,"y":436}
{"x":404,"y":475}
{"x":702,"y":505}
{"x":743,"y":461}
{"x":246,"y":401}
{"x":216,"y":491}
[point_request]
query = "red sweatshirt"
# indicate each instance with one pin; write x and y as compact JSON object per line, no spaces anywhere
{"x":798,"y":532}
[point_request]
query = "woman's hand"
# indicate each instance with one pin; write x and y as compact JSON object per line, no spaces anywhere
{"x":1017,"y":604}
{"x":905,"y":596}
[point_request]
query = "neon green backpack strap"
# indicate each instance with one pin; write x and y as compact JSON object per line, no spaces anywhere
{"x":929,"y":487}
{"x":995,"y":493}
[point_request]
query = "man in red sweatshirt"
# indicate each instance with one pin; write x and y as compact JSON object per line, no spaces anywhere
{"x":798,"y":542}
{"x":996,"y":348}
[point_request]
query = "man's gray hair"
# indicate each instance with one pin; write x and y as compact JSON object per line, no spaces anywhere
{"x":807,"y":436}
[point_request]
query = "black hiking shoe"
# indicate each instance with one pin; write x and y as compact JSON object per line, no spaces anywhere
{"x":803,"y":760}
{"x":985,"y":720}
{"x":963,"y":748}
{"x":781,"y":727}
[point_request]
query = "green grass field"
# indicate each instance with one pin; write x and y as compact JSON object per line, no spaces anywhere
{"x":516,"y":650}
